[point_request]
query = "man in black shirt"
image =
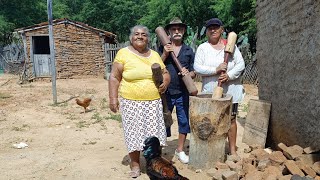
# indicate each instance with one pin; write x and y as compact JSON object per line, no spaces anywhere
{"x":177,"y":93}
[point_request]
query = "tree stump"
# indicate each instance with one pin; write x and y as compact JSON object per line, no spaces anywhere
{"x":210,"y":123}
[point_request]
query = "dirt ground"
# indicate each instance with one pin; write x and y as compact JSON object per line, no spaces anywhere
{"x":65,"y":143}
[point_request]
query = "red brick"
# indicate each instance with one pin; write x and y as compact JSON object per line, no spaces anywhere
{"x":277,"y":158}
{"x":286,"y":177}
{"x":231,"y":165}
{"x":247,"y":168}
{"x":254,"y":175}
{"x":218,"y":174}
{"x":220,"y":165}
{"x":272,"y":172}
{"x":309,"y":150}
{"x":291,"y":152}
{"x":309,"y":159}
{"x":293,"y":168}
{"x":282,"y":146}
{"x":211,"y":172}
{"x":316,"y":167}
{"x":229,"y":175}
{"x":260,"y":154}
{"x":306,"y":169}
{"x":263,"y":164}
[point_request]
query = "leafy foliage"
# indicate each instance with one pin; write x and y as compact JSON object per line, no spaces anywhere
{"x":119,"y":16}
{"x":238,"y":16}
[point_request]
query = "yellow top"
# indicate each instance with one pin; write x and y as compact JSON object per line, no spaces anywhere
{"x":137,"y":83}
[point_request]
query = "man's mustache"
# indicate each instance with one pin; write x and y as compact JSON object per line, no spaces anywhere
{"x":177,"y":35}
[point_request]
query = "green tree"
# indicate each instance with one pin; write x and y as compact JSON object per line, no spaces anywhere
{"x":194,"y":13}
{"x":16,"y":14}
{"x":118,"y":17}
{"x":238,"y":16}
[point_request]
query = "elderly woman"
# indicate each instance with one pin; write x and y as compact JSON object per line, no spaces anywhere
{"x":209,"y":63}
{"x":140,"y":103}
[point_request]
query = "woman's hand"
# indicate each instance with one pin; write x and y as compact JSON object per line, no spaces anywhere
{"x":166,"y":81}
{"x":224,"y":77}
{"x":163,"y":87}
{"x":222,"y":68}
{"x":114,"y":104}
{"x":114,"y":82}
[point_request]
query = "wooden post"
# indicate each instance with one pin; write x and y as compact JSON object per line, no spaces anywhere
{"x":210,"y":123}
{"x":52,"y":53}
{"x":25,"y":69}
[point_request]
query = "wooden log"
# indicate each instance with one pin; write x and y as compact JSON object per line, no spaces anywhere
{"x":210,"y":123}
{"x":158,"y":79}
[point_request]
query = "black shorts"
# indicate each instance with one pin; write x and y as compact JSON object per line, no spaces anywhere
{"x":234,"y":110}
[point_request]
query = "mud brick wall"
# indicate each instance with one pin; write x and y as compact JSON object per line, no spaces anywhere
{"x":79,"y":52}
{"x":288,"y":53}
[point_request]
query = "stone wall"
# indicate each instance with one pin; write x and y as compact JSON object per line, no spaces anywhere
{"x":288,"y":49}
{"x":79,"y":52}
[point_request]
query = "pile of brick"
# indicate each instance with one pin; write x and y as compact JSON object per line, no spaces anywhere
{"x":257,"y":163}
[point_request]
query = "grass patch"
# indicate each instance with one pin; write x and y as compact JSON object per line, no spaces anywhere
{"x":116,"y":117}
{"x":91,"y":91}
{"x":27,"y":86}
{"x":65,"y":104}
{"x":72,"y":117}
{"x":4,"y":95}
{"x":22,"y":128}
{"x":82,"y":124}
{"x":104,"y":104}
{"x":245,"y":108}
{"x":97,"y":118}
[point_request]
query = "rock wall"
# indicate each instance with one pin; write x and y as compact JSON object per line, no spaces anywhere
{"x":288,"y":49}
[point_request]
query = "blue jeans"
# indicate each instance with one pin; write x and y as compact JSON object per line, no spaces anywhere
{"x":181,"y":101}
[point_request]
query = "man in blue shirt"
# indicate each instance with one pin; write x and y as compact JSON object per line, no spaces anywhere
{"x":177,"y":93}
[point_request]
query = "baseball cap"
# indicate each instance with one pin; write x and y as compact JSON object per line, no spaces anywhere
{"x":214,"y":21}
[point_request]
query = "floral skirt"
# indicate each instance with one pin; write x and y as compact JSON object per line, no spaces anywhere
{"x":140,"y":120}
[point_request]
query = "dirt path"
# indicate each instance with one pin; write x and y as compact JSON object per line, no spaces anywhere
{"x":64,"y":142}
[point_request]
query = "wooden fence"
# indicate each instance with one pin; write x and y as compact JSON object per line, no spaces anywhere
{"x":11,"y":61}
{"x":110,"y":53}
{"x":11,"y":58}
{"x":250,"y":75}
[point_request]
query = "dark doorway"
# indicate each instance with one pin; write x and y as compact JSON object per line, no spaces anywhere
{"x":41,"y":45}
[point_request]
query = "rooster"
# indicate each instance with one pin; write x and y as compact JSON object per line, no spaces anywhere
{"x":84,"y":103}
{"x":157,"y":166}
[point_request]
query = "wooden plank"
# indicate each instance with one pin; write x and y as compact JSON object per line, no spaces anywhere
{"x":257,"y":121}
{"x":34,"y":74}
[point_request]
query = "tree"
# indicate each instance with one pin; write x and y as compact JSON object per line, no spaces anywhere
{"x":118,"y":17}
{"x":17,"y":14}
{"x":238,"y":16}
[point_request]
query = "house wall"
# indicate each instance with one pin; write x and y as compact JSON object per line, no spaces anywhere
{"x":79,"y":52}
{"x":288,"y":44}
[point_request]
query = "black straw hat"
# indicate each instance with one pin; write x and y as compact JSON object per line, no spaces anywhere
{"x":175,"y":21}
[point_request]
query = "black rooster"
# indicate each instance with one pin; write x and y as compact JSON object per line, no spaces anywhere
{"x":157,"y":166}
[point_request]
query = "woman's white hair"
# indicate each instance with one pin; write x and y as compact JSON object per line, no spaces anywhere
{"x":136,"y":27}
